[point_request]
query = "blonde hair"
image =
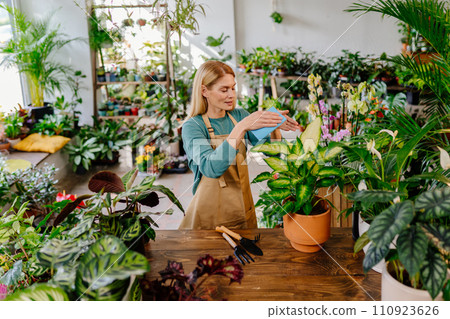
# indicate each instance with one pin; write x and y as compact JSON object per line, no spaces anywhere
{"x":207,"y":74}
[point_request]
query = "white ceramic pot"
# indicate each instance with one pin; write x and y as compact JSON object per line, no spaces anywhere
{"x":392,"y":290}
{"x":14,"y":141}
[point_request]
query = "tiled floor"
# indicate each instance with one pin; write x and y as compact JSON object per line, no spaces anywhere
{"x":180,"y":184}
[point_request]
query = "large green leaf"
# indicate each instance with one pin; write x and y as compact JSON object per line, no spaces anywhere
{"x":390,"y":222}
{"x":279,"y":183}
{"x":331,"y":153}
{"x":105,"y":245}
{"x":277,"y":164}
{"x":412,"y":245}
{"x":39,"y":292}
{"x":129,"y":177}
{"x":57,"y":252}
{"x":277,"y":194}
{"x":435,"y":203}
{"x":12,"y":276}
{"x":303,"y":193}
{"x":433,"y":272}
{"x":374,"y":255}
{"x":82,"y":226}
{"x":264,"y":176}
{"x":112,"y":292}
{"x":272,"y":148}
{"x":373,"y":196}
{"x":311,"y":136}
{"x":132,"y":232}
{"x":330,"y":171}
{"x":361,"y":242}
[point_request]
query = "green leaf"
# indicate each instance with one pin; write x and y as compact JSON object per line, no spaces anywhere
{"x":82,"y":226}
{"x":105,"y":245}
{"x":374,"y":255}
{"x":311,"y":136}
{"x":57,"y":252}
{"x":277,"y":194}
{"x":132,"y":232}
{"x":326,"y":182}
{"x":412,"y":244}
{"x":391,"y":222}
{"x":135,"y":291}
{"x":279,"y":183}
{"x":297,"y":148}
{"x":433,"y":272}
{"x":331,"y":153}
{"x":12,"y":276}
{"x":330,"y":171}
{"x":277,"y":164}
{"x":272,"y":148}
{"x":361,"y":242}
{"x":373,"y":196}
{"x":435,"y":203}
{"x":303,"y":193}
{"x":128,"y":178}
{"x":264,"y":176}
{"x":287,"y":208}
{"x":39,"y":292}
{"x":439,"y":235}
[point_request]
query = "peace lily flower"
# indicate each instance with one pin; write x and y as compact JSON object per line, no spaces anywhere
{"x":372,"y":149}
{"x":393,"y":134}
{"x":445,"y":159}
{"x":351,"y":106}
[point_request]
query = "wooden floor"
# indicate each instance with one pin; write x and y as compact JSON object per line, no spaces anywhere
{"x":282,"y":273}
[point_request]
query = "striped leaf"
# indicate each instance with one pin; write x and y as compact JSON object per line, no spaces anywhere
{"x":439,"y":235}
{"x":326,"y":182}
{"x":35,"y":269}
{"x":39,"y":292}
{"x":112,"y":292}
{"x":277,"y":164}
{"x":110,"y":225}
{"x":435,"y":203}
{"x":390,"y":222}
{"x":374,"y":255}
{"x":279,"y":194}
{"x":433,"y":272}
{"x":272,"y":148}
{"x":104,"y":245}
{"x":297,"y":147}
{"x":128,"y":178}
{"x":330,"y":171}
{"x":264,"y":176}
{"x":287,"y":208}
{"x":135,"y":291}
{"x":279,"y":183}
{"x":313,"y":167}
{"x":57,"y":252}
{"x":303,"y":193}
{"x":132,"y":232}
{"x":297,"y":160}
{"x":412,"y":244}
{"x":65,"y":277}
{"x":82,"y":226}
{"x":373,"y":196}
{"x":331,"y":153}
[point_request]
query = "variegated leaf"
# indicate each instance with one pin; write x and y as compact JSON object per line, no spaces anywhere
{"x":277,"y":164}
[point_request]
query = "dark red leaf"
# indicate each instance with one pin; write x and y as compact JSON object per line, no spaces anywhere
{"x":70,"y":207}
{"x":150,"y":200}
{"x":109,"y":181}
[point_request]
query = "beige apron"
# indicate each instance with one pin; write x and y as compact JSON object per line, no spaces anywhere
{"x":226,"y":200}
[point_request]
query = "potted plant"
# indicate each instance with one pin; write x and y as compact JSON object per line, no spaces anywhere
{"x":82,"y":151}
{"x":276,"y":17}
{"x":417,"y":267}
{"x":13,"y":124}
{"x":299,"y":171}
{"x":32,"y":49}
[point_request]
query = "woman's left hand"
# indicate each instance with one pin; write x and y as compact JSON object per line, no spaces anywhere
{"x":290,"y":124}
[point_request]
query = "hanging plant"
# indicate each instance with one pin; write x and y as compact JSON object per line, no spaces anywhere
{"x":276,"y":17}
{"x":141,"y":22}
{"x":127,"y":22}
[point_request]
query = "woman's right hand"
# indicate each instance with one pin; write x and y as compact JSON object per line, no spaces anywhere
{"x":260,"y":119}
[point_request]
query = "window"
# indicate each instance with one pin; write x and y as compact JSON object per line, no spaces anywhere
{"x":10,"y":83}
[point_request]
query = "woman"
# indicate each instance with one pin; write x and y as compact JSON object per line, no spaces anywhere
{"x":213,"y":139}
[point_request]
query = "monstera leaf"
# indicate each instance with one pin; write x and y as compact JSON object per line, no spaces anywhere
{"x":272,"y":148}
{"x":435,"y":203}
{"x":391,"y":222}
{"x":39,"y":292}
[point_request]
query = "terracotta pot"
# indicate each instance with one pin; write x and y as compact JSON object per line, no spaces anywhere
{"x":4,"y":146}
{"x":306,"y":233}
{"x":391,"y":290}
{"x":336,"y":124}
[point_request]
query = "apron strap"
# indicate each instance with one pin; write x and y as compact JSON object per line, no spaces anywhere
{"x":205,"y":117}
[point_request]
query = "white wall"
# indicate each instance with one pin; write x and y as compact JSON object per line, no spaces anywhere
{"x":73,"y":21}
{"x":314,"y":25}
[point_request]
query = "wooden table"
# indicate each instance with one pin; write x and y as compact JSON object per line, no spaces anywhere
{"x":281,"y":274}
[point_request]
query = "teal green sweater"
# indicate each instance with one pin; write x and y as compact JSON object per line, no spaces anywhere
{"x":203,"y":160}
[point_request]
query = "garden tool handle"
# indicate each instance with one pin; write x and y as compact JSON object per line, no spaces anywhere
{"x":223,"y":229}
{"x":229,"y":240}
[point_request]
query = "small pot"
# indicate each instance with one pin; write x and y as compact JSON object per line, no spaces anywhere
{"x":4,"y":146}
{"x":13,"y":141}
{"x":101,"y":112}
{"x":308,"y":232}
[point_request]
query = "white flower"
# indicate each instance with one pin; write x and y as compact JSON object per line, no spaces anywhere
{"x":319,"y":91}
{"x":362,"y":107}
{"x":362,"y":186}
{"x":310,"y":88}
{"x":445,"y":159}
{"x":351,"y":106}
{"x":393,"y":134}
{"x":311,"y":79}
{"x":317,"y":80}
{"x":312,"y":109}
{"x":372,"y":149}
{"x":312,"y":97}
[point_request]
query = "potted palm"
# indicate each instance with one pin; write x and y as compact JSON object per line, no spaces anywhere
{"x":31,"y":50}
{"x":299,"y":171}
